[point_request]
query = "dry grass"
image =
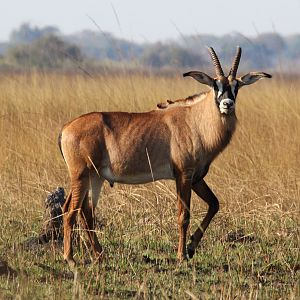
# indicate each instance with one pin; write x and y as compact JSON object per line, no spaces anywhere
{"x":257,"y":180}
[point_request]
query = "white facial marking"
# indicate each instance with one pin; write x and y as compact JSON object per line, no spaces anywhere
{"x":233,"y":85}
{"x":226,"y":106}
{"x":220,"y":87}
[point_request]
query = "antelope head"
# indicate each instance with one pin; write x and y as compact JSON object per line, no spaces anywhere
{"x":226,"y":87}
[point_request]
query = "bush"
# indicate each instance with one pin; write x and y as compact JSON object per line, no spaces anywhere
{"x":48,"y":52}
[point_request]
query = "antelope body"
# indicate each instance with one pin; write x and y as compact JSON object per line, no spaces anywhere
{"x":178,"y":141}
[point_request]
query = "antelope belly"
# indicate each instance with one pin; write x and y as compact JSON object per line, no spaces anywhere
{"x":163,"y":172}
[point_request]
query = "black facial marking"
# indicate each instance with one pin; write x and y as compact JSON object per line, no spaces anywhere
{"x":226,"y":93}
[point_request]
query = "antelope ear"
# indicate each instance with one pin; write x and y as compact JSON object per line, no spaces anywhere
{"x":201,"y":77}
{"x":252,"y":77}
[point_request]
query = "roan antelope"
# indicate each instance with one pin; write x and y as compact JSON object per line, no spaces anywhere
{"x":180,"y":139}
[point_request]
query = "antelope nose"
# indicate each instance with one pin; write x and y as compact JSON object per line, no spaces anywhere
{"x":228,"y":103}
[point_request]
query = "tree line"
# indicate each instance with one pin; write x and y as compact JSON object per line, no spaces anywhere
{"x":47,"y":48}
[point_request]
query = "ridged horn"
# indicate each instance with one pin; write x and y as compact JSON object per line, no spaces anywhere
{"x":236,"y":62}
{"x":216,"y":62}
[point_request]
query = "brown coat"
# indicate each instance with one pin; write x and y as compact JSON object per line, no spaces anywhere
{"x":121,"y":146}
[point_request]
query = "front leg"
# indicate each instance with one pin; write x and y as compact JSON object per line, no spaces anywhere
{"x":204,"y":192}
{"x":183,"y":186}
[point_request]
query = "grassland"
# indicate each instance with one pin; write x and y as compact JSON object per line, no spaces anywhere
{"x":251,"y":249}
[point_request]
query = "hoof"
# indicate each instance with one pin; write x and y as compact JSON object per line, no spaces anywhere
{"x":98,"y":260}
{"x":182,"y":261}
{"x":181,"y":258}
{"x":191,"y":251}
{"x":71,"y":263}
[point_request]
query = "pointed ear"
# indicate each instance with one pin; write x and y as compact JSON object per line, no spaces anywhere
{"x":201,"y":77}
{"x":252,"y":77}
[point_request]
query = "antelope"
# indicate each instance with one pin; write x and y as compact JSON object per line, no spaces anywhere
{"x":179,"y":140}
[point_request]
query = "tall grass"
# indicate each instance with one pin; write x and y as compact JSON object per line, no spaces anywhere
{"x":257,"y":180}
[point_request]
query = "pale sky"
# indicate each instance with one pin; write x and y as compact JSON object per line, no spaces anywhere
{"x":154,"y":20}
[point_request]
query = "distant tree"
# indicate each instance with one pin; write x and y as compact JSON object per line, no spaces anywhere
{"x":272,"y":42}
{"x":47,"y":52}
{"x":104,"y":46}
{"x":161,"y":55}
{"x":27,"y":34}
{"x":3,"y":48}
{"x":258,"y":52}
{"x":293,"y":46}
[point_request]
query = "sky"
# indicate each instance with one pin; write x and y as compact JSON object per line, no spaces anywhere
{"x":149,"y":21}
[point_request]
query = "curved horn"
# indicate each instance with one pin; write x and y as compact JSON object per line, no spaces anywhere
{"x":216,"y":62}
{"x":236,"y":62}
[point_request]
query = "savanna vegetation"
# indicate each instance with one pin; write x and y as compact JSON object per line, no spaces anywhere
{"x":250,"y":250}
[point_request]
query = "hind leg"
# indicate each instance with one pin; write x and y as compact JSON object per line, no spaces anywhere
{"x":88,"y":209}
{"x":79,"y":189}
{"x":88,"y":222}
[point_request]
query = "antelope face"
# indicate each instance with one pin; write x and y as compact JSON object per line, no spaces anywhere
{"x":225,"y":94}
{"x":226,"y":87}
